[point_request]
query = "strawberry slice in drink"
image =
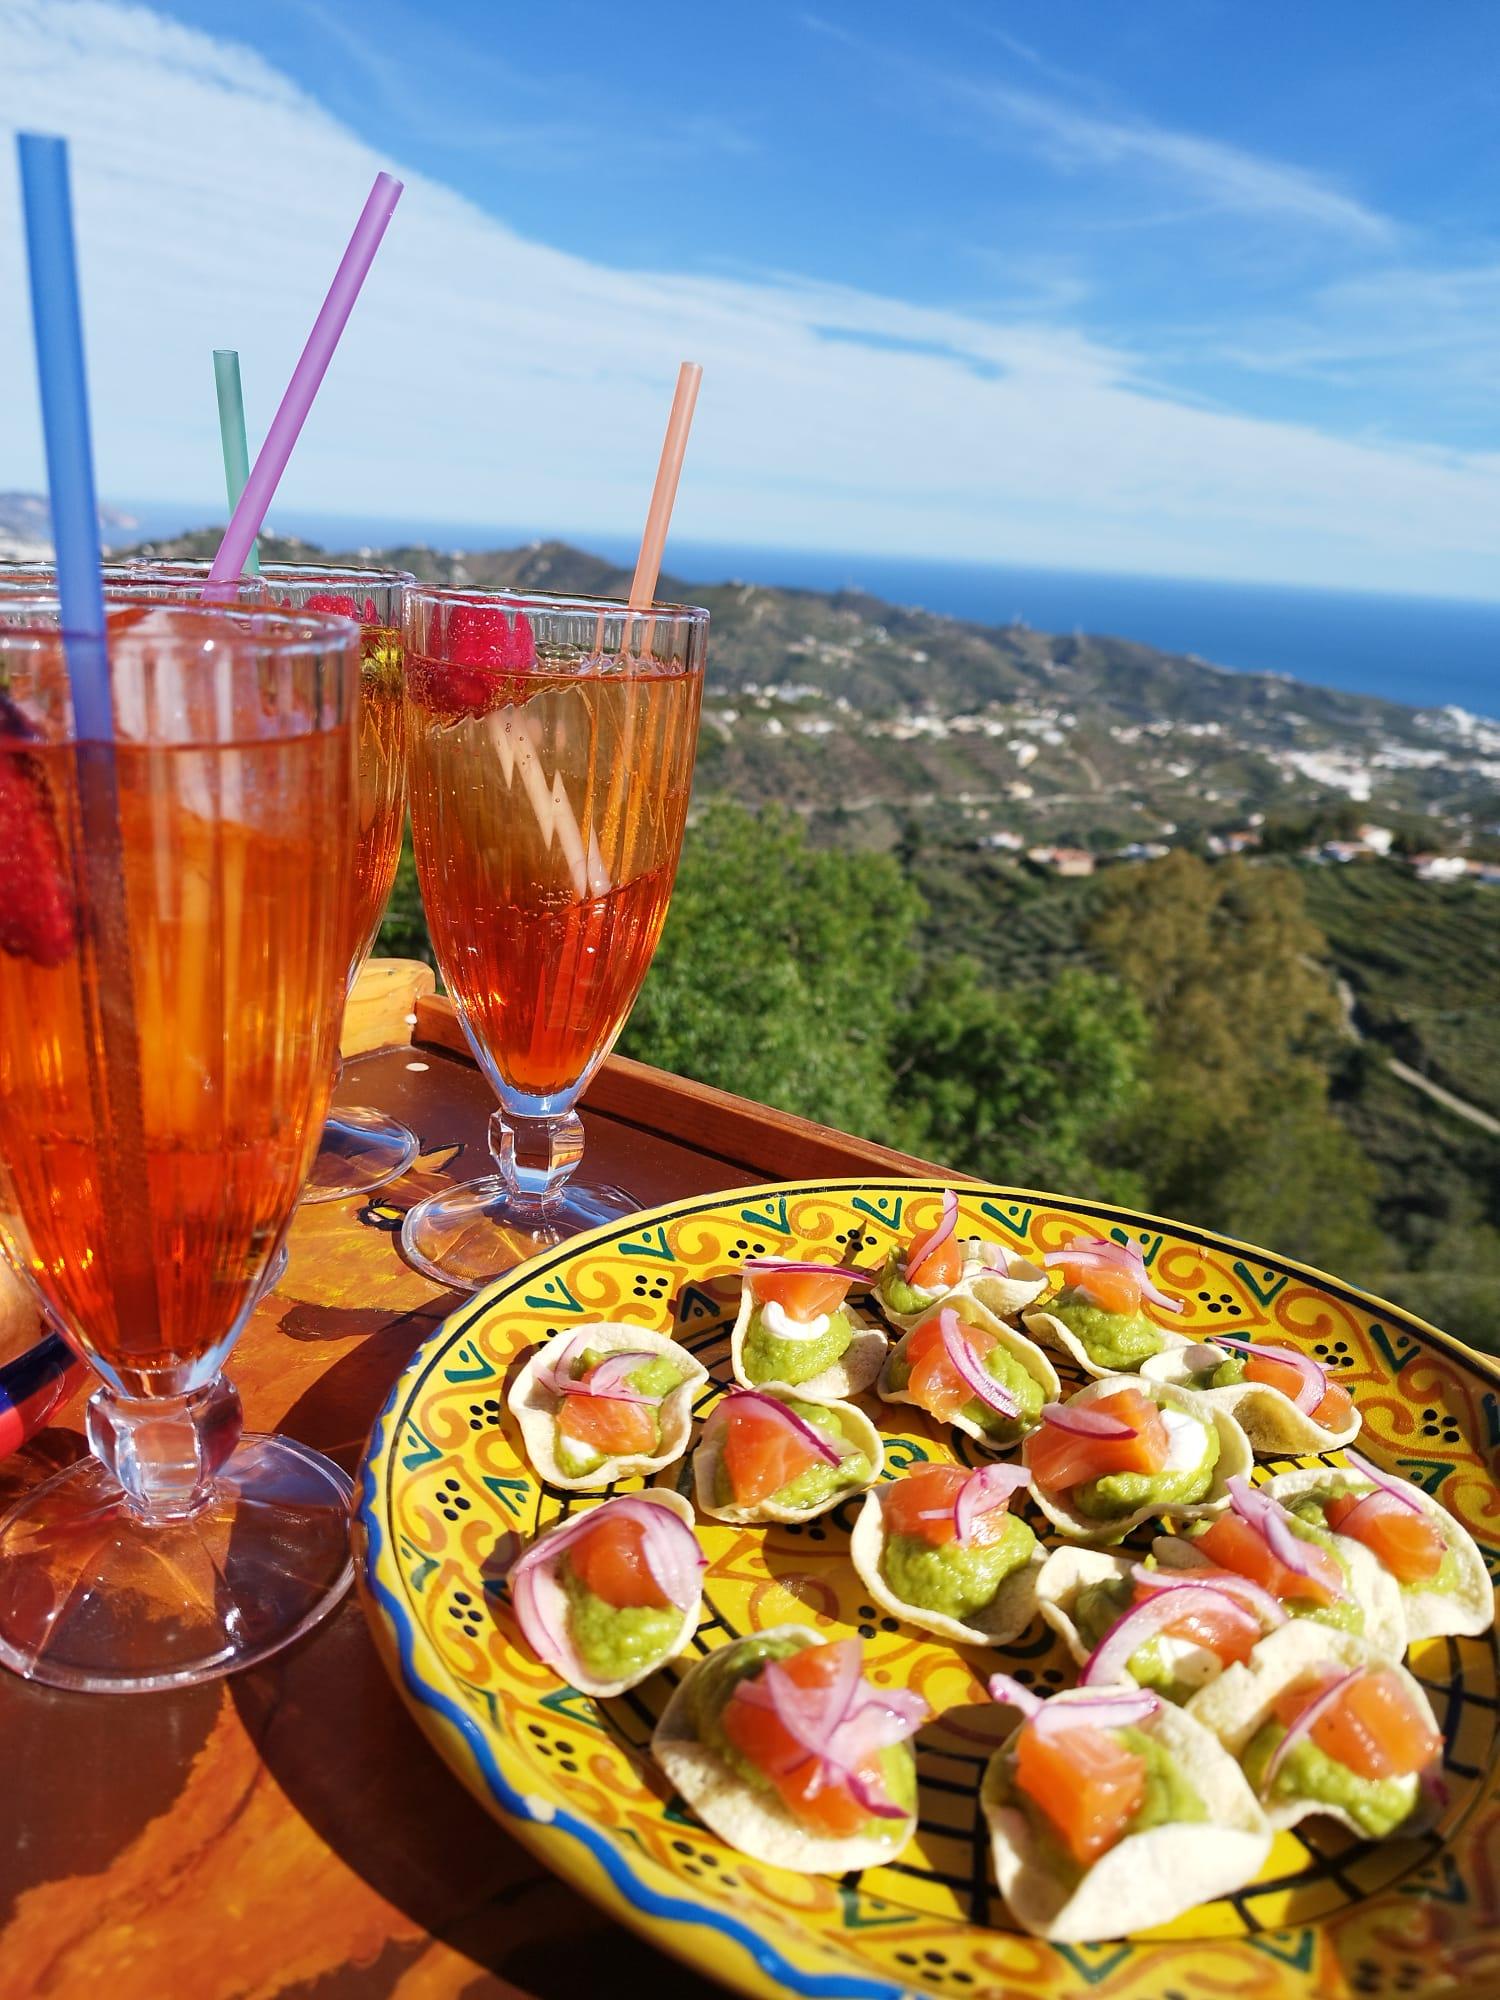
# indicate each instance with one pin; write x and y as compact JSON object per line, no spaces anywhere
{"x":38,"y":917}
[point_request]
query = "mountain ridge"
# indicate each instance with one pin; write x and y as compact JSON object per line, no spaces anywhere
{"x":846,"y":707}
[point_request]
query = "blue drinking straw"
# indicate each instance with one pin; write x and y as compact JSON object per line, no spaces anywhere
{"x":58,"y":327}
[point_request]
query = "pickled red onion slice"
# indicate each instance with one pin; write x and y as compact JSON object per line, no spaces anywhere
{"x":1398,"y":1489}
{"x":809,"y":1433}
{"x":841,"y":1723}
{"x":992,"y":1486}
{"x":974,"y":1373}
{"x":1269,"y":1519}
{"x":1084,"y":1422}
{"x":1319,"y":1706}
{"x":1103,"y":1253}
{"x":1313,"y":1386}
{"x":1254,"y":1596}
{"x":918,"y":1252}
{"x":672,"y":1556}
{"x":1144,"y":1622}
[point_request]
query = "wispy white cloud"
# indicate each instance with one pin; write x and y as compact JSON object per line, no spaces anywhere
{"x":1421,"y":322}
{"x":1073,"y":137}
{"x":489,"y":377}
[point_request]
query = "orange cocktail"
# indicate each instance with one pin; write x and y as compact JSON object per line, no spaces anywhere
{"x":361,"y":1148}
{"x":551,"y":746}
{"x":152,"y":1152}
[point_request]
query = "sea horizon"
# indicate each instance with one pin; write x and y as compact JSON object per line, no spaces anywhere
{"x":1425,"y":652}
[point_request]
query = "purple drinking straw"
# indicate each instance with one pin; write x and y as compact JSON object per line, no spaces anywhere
{"x":249,"y":515}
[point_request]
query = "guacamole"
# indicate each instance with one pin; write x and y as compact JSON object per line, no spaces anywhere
{"x":715,"y":1681}
{"x":1110,"y":1340}
{"x":1228,"y":1375}
{"x":1376,"y":1805}
{"x":1002,"y":1366}
{"x":1098,"y":1605}
{"x":767,"y":1359}
{"x":955,"y":1580}
{"x":1308,"y":1508}
{"x":896,"y":1295}
{"x":1121,"y":1493}
{"x":615,"y":1642}
{"x":1096,"y":1608}
{"x":1169,"y":1799}
{"x":653,"y":1378}
{"x":814,"y":1485}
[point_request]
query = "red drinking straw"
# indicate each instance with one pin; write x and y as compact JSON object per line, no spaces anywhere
{"x":250,"y":513}
{"x":659,"y":514}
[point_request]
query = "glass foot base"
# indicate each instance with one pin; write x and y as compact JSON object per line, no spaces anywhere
{"x":468,"y":1235}
{"x":361,"y":1150}
{"x":93,"y":1597}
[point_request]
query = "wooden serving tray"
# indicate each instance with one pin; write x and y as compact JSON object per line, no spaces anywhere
{"x":288,"y":1834}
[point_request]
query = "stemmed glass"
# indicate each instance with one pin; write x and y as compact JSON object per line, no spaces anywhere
{"x":361,"y":1148}
{"x":151,"y":1154}
{"x":550,"y":744}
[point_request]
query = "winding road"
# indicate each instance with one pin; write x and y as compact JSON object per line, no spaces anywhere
{"x":1460,"y":1106}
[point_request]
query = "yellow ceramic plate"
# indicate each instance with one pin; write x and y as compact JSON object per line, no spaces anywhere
{"x":446,"y":1488}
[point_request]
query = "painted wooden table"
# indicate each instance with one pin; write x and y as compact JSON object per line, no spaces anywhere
{"x":288,"y":1834}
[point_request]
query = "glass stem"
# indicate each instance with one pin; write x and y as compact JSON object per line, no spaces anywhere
{"x":165,"y":1451}
{"x":535,"y":1156}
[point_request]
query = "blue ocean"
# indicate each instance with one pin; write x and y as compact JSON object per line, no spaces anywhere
{"x":1424,"y":651}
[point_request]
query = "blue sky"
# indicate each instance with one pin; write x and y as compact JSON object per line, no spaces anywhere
{"x":1197,"y":288}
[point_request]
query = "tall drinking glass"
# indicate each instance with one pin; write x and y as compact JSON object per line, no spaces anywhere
{"x":551,"y":745}
{"x":361,"y":1148}
{"x":151,"y":1154}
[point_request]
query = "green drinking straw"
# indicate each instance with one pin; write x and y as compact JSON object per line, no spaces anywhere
{"x":57,"y":323}
{"x":232,"y":436}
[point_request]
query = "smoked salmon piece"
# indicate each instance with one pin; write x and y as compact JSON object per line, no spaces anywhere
{"x":619,"y":1430}
{"x":1334,"y":1411}
{"x":1404,"y":1542}
{"x":934,"y":1382}
{"x":1061,"y":1458}
{"x":802,"y":1295}
{"x":803,"y":1782}
{"x":1233,"y":1544}
{"x":943,"y":1265}
{"x":760,"y":1453}
{"x":1087,"y":1782}
{"x":610,"y":1560}
{"x":1223,"y":1632}
{"x":1110,"y":1290}
{"x":930,"y":1491}
{"x":1375,"y":1728}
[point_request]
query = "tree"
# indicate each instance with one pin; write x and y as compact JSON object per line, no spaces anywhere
{"x":781,"y":970}
{"x":1022,"y":1085}
{"x":1235,"y":1130}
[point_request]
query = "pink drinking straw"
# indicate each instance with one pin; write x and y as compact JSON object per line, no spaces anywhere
{"x":659,"y":515}
{"x":250,"y":513}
